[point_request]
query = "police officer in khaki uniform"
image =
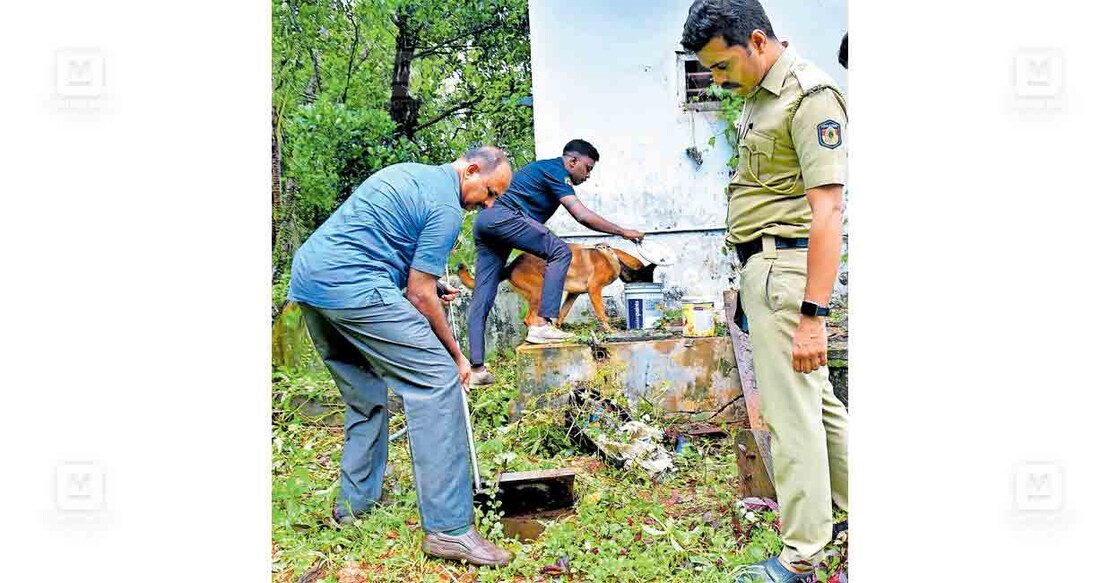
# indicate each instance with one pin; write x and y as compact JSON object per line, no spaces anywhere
{"x":785,"y":221}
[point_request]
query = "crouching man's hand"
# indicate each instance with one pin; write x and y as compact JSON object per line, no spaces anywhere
{"x":446,"y":293}
{"x":464,"y":372}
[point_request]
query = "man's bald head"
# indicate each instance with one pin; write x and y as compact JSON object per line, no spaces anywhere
{"x":484,"y":174}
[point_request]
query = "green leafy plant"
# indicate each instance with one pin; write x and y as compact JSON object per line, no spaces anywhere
{"x":625,"y":526}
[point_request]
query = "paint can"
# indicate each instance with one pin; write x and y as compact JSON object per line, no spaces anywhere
{"x":699,"y":316}
{"x":644,"y":305}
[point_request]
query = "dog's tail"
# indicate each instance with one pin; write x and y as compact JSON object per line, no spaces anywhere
{"x":464,"y":275}
{"x":468,"y":279}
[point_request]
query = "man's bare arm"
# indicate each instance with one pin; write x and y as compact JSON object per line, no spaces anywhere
{"x":825,"y":238}
{"x":593,"y":220}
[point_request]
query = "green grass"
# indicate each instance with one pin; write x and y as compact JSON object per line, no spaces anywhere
{"x":626,"y":527}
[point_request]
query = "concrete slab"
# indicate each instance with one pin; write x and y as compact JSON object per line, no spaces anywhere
{"x":686,"y":375}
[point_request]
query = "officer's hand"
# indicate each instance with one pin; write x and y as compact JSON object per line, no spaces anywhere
{"x":632,"y":235}
{"x":447,"y":293}
{"x":464,"y":373}
{"x":810,"y":344}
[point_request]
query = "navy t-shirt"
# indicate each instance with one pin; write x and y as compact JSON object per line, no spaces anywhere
{"x":536,"y":189}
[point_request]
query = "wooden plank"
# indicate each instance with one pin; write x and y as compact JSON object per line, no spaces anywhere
{"x":743,"y":355}
{"x":751,"y":450}
{"x":537,"y":475}
{"x":755,"y":464}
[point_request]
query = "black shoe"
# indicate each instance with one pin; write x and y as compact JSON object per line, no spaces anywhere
{"x":772,"y":571}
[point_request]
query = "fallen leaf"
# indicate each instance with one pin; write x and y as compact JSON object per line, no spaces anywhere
{"x":352,"y":573}
{"x":392,"y":535}
{"x":753,"y":503}
{"x":314,"y":574}
{"x":560,"y":567}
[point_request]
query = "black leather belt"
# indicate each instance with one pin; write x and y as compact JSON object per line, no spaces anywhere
{"x":745,"y":250}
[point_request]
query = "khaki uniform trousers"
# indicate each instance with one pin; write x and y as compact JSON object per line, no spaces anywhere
{"x":807,"y":422}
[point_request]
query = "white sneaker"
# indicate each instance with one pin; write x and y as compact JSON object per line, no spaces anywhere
{"x":547,"y":334}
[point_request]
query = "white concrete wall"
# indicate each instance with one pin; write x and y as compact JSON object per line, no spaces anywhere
{"x":610,"y":72}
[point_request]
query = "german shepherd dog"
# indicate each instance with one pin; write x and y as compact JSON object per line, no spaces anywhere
{"x":592,"y":268}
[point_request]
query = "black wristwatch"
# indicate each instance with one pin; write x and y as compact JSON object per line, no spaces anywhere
{"x":810,"y":309}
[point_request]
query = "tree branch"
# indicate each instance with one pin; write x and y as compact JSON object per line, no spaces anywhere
{"x":460,"y":107}
{"x":473,"y":33}
{"x":439,"y":50}
{"x":313,"y":85}
{"x":353,"y":49}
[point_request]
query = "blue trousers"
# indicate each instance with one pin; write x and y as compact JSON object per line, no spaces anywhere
{"x":368,"y":350}
{"x":497,"y":231}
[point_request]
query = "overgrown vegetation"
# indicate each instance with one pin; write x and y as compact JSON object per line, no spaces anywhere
{"x":685,"y":526}
{"x":358,"y":86}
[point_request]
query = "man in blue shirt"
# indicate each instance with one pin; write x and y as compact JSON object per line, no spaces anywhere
{"x":394,"y":233}
{"x":516,"y":221}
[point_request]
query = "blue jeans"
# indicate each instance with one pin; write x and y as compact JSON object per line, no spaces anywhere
{"x":368,"y":350}
{"x":497,"y":231}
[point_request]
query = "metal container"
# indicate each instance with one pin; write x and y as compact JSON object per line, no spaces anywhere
{"x":699,"y":316}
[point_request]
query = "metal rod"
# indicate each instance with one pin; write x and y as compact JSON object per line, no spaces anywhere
{"x":647,"y":233}
{"x":470,"y":437}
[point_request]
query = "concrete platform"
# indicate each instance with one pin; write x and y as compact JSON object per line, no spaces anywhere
{"x":687,"y":375}
{"x":677,"y":374}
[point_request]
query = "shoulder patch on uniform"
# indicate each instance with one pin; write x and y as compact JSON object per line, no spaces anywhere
{"x":811,"y":77}
{"x":829,"y":134}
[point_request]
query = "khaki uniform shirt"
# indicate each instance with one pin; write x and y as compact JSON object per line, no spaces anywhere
{"x":792,"y":136}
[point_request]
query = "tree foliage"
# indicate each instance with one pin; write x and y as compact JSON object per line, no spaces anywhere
{"x":362,"y":84}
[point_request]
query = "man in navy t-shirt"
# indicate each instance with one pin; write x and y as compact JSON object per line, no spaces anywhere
{"x":516,"y":221}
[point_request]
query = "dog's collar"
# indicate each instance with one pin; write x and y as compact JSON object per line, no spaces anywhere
{"x":611,"y":256}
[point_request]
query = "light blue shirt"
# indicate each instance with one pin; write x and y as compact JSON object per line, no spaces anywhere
{"x":406,"y":216}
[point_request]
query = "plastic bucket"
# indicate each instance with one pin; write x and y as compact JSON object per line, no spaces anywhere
{"x":644,"y":305}
{"x":699,"y":316}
